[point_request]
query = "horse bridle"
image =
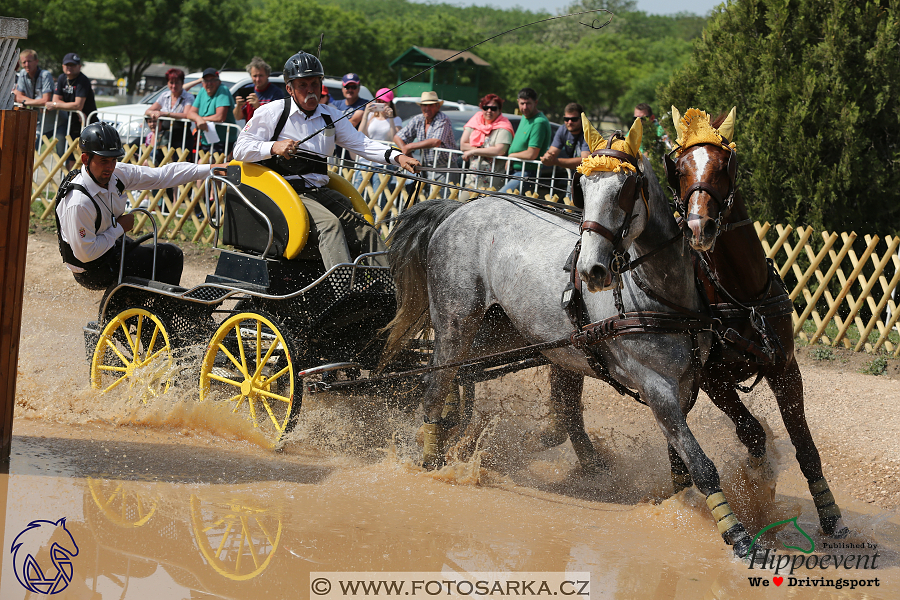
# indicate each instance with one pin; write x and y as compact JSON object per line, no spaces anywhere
{"x":725,"y":205}
{"x":633,"y":187}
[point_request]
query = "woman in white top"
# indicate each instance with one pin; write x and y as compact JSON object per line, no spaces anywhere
{"x":172,"y":103}
{"x":379,"y":123}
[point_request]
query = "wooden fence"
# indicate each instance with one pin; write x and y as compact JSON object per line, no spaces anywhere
{"x":841,"y":286}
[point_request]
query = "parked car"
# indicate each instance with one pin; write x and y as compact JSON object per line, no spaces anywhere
{"x":129,"y":118}
{"x":408,"y":106}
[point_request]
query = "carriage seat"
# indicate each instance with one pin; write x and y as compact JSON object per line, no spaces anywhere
{"x":272,"y":195}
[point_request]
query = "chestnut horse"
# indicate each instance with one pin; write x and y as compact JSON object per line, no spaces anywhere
{"x":747,"y":293}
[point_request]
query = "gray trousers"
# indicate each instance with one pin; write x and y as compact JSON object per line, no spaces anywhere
{"x":342,"y":232}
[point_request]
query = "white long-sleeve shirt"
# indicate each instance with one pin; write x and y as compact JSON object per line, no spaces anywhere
{"x":255,"y":141}
{"x":77,"y":215}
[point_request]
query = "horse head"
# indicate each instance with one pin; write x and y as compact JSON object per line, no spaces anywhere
{"x":610,"y":186}
{"x":702,"y":176}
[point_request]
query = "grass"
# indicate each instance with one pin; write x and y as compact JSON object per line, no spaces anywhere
{"x":822,"y":353}
{"x":876,"y":366}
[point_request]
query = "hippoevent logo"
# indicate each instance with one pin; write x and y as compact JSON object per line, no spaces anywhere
{"x":808,"y":560}
{"x":42,"y":556}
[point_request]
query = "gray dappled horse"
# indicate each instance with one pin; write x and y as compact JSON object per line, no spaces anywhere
{"x":454,"y":263}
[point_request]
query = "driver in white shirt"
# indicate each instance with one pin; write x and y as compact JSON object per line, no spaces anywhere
{"x":274,"y":130}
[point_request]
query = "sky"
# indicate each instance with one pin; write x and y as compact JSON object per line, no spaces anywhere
{"x":659,"y":7}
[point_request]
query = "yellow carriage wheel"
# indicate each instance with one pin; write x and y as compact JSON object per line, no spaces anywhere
{"x":237,"y":539}
{"x":134,"y":347}
{"x":123,"y":506}
{"x":250,"y":363}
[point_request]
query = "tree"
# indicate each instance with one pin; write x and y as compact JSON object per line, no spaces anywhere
{"x":818,"y":106}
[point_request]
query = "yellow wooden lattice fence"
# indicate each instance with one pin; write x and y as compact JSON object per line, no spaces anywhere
{"x":840,"y":297}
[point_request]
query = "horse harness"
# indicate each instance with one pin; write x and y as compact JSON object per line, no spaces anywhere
{"x":719,"y":319}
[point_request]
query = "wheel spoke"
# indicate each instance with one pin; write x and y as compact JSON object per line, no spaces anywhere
{"x":258,"y":346}
{"x":109,"y":368}
{"x":225,"y":380}
{"x":137,"y":339}
{"x":259,"y":365}
{"x":266,"y":533}
{"x":272,"y":415}
{"x":250,"y":547}
{"x":278,"y":374}
{"x":224,"y":539}
{"x":116,"y":350}
{"x":271,"y":395}
{"x":233,"y":359}
{"x":237,"y":405}
{"x":153,"y":341}
{"x":252,"y":406}
{"x":237,"y":331}
{"x":131,"y":344}
{"x":116,"y":383}
{"x":155,"y":354}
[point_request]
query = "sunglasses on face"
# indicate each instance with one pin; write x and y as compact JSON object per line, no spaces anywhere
{"x":490,"y":108}
{"x":571,"y":118}
{"x":351,"y":86}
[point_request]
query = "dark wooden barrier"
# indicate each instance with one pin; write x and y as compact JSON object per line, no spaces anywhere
{"x":17,"y":129}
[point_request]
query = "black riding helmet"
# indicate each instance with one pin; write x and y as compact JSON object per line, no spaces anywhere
{"x":300,"y":65}
{"x":101,"y":139}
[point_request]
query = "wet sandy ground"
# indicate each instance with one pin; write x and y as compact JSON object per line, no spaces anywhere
{"x":178,"y":500}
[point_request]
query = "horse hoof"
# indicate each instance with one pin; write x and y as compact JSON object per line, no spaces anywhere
{"x":741,"y":547}
{"x":594,"y":467}
{"x":551,"y":437}
{"x":433,"y":463}
{"x":838,"y":531}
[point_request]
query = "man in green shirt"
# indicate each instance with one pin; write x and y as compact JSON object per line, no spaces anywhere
{"x":531,"y":141}
{"x":214,"y":104}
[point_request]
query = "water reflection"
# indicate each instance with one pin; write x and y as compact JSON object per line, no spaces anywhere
{"x":177,"y":521}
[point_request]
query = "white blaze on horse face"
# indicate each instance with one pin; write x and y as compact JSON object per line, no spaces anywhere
{"x":601,"y":205}
{"x":702,"y":161}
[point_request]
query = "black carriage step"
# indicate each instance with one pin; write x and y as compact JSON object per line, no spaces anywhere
{"x":242,"y":271}
{"x":208,"y":294}
{"x":154,"y":285}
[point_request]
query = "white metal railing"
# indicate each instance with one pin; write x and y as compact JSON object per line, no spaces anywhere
{"x":135,"y":129}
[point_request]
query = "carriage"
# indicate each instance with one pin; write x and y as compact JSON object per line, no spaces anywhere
{"x":267,"y":319}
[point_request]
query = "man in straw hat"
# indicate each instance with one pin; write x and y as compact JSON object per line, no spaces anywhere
{"x":431,"y":129}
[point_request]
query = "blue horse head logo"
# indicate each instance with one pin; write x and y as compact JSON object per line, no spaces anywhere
{"x":33,"y":544}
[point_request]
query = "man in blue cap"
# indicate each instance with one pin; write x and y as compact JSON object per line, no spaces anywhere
{"x":351,"y":103}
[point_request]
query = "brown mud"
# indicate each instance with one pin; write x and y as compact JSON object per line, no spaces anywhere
{"x":178,"y":499}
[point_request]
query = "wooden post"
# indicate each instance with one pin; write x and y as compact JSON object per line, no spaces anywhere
{"x":17,"y":129}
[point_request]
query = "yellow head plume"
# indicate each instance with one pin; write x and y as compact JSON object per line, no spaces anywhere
{"x":631,"y":146}
{"x":695,"y":128}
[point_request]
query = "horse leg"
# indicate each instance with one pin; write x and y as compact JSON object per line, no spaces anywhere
{"x":562,"y":386}
{"x":787,"y":385}
{"x":566,"y":389}
{"x":452,"y":338}
{"x":672,"y":421}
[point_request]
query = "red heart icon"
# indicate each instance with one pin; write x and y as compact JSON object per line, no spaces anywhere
{"x":778,"y":580}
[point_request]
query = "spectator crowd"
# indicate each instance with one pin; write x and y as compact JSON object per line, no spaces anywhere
{"x":490,"y":143}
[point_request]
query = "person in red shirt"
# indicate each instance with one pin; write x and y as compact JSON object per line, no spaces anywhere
{"x":263,"y":90}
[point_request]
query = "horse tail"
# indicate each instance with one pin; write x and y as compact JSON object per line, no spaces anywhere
{"x":408,"y":258}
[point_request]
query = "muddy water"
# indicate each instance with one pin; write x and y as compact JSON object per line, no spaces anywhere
{"x":177,"y":499}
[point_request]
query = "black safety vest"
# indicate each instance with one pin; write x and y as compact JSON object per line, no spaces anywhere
{"x":65,"y":250}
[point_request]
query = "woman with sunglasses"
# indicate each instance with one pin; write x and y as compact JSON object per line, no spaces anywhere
{"x":486,"y":135}
{"x":379,"y":123}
